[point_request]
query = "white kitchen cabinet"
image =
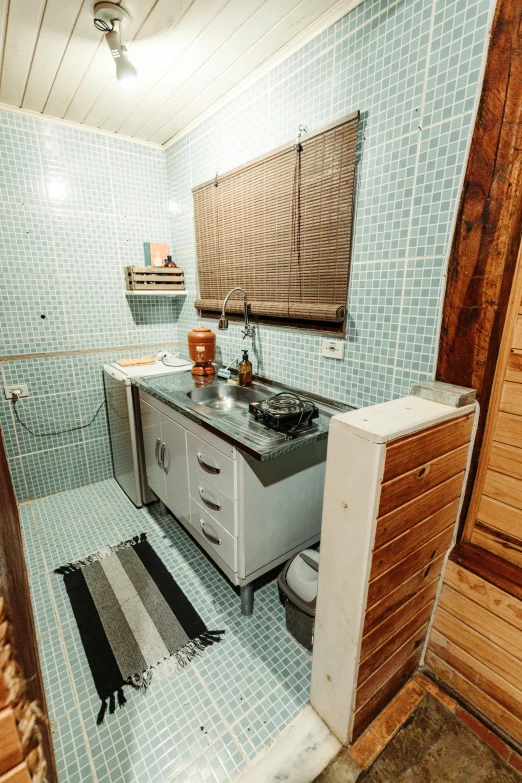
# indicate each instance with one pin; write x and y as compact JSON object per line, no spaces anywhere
{"x":165,"y":456}
{"x":174,"y":462}
{"x":151,"y":429}
{"x":247,"y":515}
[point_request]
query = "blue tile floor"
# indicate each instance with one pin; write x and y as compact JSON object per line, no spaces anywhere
{"x":202,"y":724}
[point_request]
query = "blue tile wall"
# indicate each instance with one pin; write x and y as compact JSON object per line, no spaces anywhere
{"x":76,"y":205}
{"x":75,"y":208}
{"x":412,"y":68}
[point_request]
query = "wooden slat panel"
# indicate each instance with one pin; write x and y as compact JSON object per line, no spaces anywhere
{"x":394,"y":663}
{"x":400,"y":520}
{"x":22,"y":31}
{"x":415,"y":482}
{"x":496,"y":541}
{"x":470,"y":691}
{"x":370,"y":710}
{"x":392,"y":641}
{"x":10,"y":745}
{"x":414,"y":450}
{"x":488,"y":566}
{"x":503,"y":488}
{"x":506,"y":459}
{"x":374,"y":638}
{"x":57,"y":25}
{"x":423,"y":556}
{"x":19,"y":774}
{"x":494,"y":628}
{"x":514,"y":368}
{"x":396,"y":549}
{"x":4,"y":692}
{"x":482,"y":676}
{"x":394,"y":599}
{"x":508,"y":429}
{"x":499,"y":515}
{"x":474,"y":642}
{"x":511,"y":400}
{"x":486,"y":594}
{"x":517,"y":336}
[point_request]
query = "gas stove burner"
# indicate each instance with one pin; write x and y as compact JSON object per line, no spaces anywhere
{"x":286,"y":412}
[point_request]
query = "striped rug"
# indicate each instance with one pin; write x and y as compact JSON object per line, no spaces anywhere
{"x":131,"y":616}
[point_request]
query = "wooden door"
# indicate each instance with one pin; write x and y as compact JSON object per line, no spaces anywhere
{"x":175,"y":467}
{"x":494,"y":520}
{"x":151,"y":427}
{"x":13,"y":574}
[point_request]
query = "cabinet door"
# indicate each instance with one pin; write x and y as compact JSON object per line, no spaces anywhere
{"x":151,"y":424}
{"x":174,"y":456}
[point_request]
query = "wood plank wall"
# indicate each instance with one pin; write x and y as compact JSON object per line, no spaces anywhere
{"x":420,"y":493}
{"x":475,"y":645}
{"x":495,"y":515}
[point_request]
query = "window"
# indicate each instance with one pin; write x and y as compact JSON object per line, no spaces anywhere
{"x":280,"y":227}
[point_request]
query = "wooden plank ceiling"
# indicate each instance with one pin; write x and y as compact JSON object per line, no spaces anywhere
{"x":189,"y":53}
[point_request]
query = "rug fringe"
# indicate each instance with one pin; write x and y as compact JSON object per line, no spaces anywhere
{"x":182,"y":657}
{"x":75,"y":565}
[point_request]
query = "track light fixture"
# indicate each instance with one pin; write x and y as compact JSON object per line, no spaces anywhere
{"x":110,"y":19}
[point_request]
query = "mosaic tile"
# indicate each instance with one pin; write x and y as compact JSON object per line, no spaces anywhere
{"x":156,"y":733}
{"x":259,"y":727}
{"x":43,"y":606}
{"x":219,"y":764}
{"x":70,"y":749}
{"x":380,"y":69}
{"x":77,"y":539}
{"x":21,"y":181}
{"x":254,"y":657}
{"x":65,"y":506}
{"x":57,"y":681}
{"x":55,"y":470}
{"x":26,"y":237}
{"x":18,"y":478}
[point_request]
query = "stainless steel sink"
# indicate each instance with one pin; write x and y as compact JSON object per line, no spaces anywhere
{"x":225,"y":397}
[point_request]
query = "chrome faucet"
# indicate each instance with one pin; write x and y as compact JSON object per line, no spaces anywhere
{"x":248,"y":330}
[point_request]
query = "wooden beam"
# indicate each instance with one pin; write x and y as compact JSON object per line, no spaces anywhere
{"x":488,"y":228}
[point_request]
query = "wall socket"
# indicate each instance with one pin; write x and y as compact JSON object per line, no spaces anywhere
{"x":21,"y":389}
{"x":332,"y":348}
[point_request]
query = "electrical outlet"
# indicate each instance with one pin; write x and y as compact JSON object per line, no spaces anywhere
{"x":332,"y":348}
{"x":20,"y":389}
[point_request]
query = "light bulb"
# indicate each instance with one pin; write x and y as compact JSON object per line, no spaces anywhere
{"x":126,"y":73}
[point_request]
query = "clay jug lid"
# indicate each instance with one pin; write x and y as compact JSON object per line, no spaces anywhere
{"x":201,"y":329}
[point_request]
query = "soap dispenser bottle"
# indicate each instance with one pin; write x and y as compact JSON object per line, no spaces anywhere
{"x":244,"y":370}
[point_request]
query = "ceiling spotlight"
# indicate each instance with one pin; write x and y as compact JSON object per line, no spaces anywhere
{"x":110,"y":19}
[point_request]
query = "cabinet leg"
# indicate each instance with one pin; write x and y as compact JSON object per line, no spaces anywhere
{"x":247,"y":599}
{"x":163,"y":509}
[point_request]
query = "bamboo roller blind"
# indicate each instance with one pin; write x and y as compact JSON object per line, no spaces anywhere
{"x":290,"y":253}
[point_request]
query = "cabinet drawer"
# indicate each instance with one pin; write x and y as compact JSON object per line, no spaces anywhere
{"x":213,"y":500}
{"x":212,"y":463}
{"x":213,"y":534}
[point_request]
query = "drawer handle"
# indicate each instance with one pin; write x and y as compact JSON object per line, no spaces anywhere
{"x":206,"y":463}
{"x":211,"y":538}
{"x":156,"y":451}
{"x":205,"y":497}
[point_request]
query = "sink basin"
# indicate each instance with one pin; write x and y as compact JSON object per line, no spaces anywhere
{"x":225,"y":397}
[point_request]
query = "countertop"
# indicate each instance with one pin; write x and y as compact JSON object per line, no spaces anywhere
{"x":239,"y":427}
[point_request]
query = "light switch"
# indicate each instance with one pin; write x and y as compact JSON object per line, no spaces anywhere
{"x":332,"y":348}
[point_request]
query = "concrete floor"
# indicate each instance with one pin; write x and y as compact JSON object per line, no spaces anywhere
{"x":433,"y":746}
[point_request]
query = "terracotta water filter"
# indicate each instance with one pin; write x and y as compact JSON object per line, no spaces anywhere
{"x":202,"y":350}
